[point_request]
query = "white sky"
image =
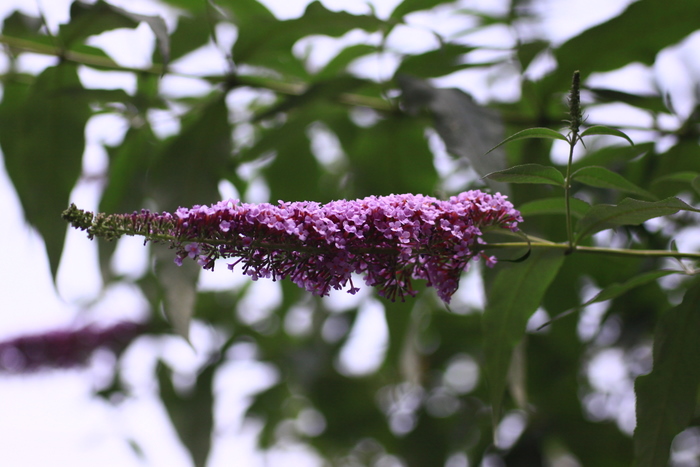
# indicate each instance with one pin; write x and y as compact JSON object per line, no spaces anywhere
{"x":51,"y":418}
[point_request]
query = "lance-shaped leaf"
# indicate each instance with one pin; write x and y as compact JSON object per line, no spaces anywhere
{"x":513,"y":298}
{"x":604,"y":130}
{"x":546,"y":133}
{"x":600,"y":177}
{"x":554,"y":206}
{"x":529,"y":173}
{"x":617,"y":289}
{"x":42,"y":133}
{"x":667,"y":397}
{"x":628,"y":212}
{"x":682,"y":177}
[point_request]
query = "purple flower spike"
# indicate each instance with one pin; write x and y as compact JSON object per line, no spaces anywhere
{"x":390,"y":240}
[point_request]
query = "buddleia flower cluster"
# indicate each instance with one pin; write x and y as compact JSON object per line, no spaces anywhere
{"x":64,"y":348}
{"x":389,"y":240}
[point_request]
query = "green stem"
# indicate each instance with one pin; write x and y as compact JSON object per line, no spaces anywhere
{"x":595,"y":250}
{"x":567,"y":193}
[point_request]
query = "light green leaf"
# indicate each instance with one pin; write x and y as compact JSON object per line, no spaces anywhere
{"x":600,"y":177}
{"x":514,"y":296}
{"x":529,"y":173}
{"x":546,"y":133}
{"x":604,"y":130}
{"x":667,"y":397}
{"x":554,"y":206}
{"x":628,"y":212}
{"x":617,"y":289}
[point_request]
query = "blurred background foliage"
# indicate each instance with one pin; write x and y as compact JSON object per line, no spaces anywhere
{"x":277,"y":125}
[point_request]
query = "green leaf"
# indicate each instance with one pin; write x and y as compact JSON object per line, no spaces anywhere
{"x":188,"y":169}
{"x":628,"y":212}
{"x":546,"y":133}
{"x":528,"y":51}
{"x":191,"y":413}
{"x":339,"y":63}
{"x":683,"y":177}
{"x":529,"y":173}
{"x":617,"y":289}
{"x":604,"y":130}
{"x":265,"y":41}
{"x":448,"y":59}
{"x":667,"y":397}
{"x":554,"y":206}
{"x":600,"y":177}
{"x":647,"y":102}
{"x":42,"y":133}
{"x":91,"y":19}
{"x":514,"y":296}
{"x":409,"y":6}
{"x":696,"y":184}
{"x":633,"y":36}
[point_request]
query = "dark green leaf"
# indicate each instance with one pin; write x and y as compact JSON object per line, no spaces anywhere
{"x":546,"y":133}
{"x":647,"y":102}
{"x":667,"y":397}
{"x":191,"y":33}
{"x":21,"y":26}
{"x":467,"y":128}
{"x":514,"y":296}
{"x":633,"y":36}
{"x":628,"y":212}
{"x":192,"y":413}
{"x":554,"y":206}
{"x":528,"y":51}
{"x":188,"y":170}
{"x":42,"y":133}
{"x":682,"y":177}
{"x":696,"y":184}
{"x":604,"y":130}
{"x":339,"y":63}
{"x":529,"y":173}
{"x":409,"y":6}
{"x":265,"y":41}
{"x":600,"y":177}
{"x":617,"y":289}
{"x":448,"y":59}
{"x":91,"y":19}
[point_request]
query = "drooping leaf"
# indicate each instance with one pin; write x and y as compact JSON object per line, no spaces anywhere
{"x":449,"y":58}
{"x":647,"y":102}
{"x":188,"y":169}
{"x":554,"y":206}
{"x":514,"y":296}
{"x":42,"y":133}
{"x":617,"y":289}
{"x":600,"y":177}
{"x":628,"y":212}
{"x":192,"y":414}
{"x":604,"y":130}
{"x":529,"y":173}
{"x":468,"y":129}
{"x":546,"y":133}
{"x":667,"y":397}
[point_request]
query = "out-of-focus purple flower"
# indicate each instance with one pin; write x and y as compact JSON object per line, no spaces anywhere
{"x":64,"y":349}
{"x":390,"y":240}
